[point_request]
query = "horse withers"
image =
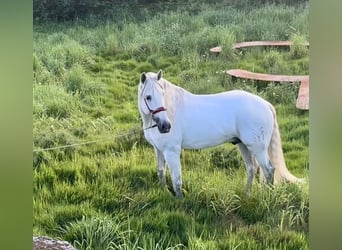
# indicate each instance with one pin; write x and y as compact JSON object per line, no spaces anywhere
{"x":174,"y":118}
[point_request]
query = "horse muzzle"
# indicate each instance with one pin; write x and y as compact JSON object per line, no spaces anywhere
{"x":163,"y":126}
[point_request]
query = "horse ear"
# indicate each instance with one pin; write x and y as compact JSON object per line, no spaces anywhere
{"x":143,"y":77}
{"x":159,"y":74}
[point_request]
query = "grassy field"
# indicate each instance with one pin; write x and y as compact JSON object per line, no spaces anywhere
{"x":106,"y":194}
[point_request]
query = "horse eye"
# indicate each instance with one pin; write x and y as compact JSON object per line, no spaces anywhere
{"x":148,"y":98}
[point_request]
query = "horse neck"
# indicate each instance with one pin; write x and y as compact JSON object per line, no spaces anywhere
{"x":172,"y":94}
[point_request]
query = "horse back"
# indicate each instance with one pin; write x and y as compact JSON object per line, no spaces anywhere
{"x":210,"y":120}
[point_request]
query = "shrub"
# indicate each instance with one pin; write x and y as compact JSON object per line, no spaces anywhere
{"x":298,"y":48}
{"x":44,"y":177}
{"x":112,"y":44}
{"x":75,"y":80}
{"x":67,"y":173}
{"x":58,"y":53}
{"x":226,"y":41}
{"x":281,"y":93}
{"x":171,"y":40}
{"x":67,"y":214}
{"x":41,"y":158}
{"x":55,"y":138}
{"x":40,"y":74}
{"x":223,"y":158}
{"x":66,"y":10}
{"x":274,"y":63}
{"x":52,"y":101}
{"x":96,"y":233}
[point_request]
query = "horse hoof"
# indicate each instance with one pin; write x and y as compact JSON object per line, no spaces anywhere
{"x":179,"y":196}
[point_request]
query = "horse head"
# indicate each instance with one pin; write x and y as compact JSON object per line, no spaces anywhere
{"x":152,"y":100}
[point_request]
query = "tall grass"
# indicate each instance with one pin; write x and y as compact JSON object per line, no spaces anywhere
{"x":106,"y":195}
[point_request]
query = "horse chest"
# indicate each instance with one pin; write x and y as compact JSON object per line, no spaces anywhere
{"x":161,"y":141}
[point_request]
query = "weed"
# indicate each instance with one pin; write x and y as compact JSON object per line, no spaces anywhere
{"x":224,"y":158}
{"x":95,"y":233}
{"x":298,"y":49}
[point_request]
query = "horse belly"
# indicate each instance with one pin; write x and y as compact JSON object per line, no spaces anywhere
{"x":203,"y":141}
{"x":206,"y":134}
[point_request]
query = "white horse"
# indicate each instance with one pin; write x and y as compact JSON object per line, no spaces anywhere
{"x":174,"y":118}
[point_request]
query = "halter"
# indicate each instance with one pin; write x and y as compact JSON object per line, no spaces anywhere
{"x":157,"y":110}
{"x":152,"y":111}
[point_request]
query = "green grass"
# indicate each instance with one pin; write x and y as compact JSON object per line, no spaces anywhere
{"x":107,"y":195}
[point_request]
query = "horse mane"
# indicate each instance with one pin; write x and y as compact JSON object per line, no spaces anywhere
{"x":173,"y":94}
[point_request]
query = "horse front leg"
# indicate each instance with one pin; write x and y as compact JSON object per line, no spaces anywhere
{"x":173,"y":160}
{"x":161,"y":166}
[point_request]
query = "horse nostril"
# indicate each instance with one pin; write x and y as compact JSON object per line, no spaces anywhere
{"x":166,"y":126}
{"x":156,"y":119}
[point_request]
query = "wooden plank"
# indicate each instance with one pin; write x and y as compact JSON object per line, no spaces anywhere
{"x":264,"y":43}
{"x":303,"y":95}
{"x":265,"y":77}
{"x":218,"y":49}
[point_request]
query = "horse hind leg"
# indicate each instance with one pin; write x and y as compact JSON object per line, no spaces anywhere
{"x":266,"y":165}
{"x":250,"y":166}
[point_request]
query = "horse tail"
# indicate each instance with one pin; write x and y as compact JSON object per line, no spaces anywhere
{"x":275,"y":151}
